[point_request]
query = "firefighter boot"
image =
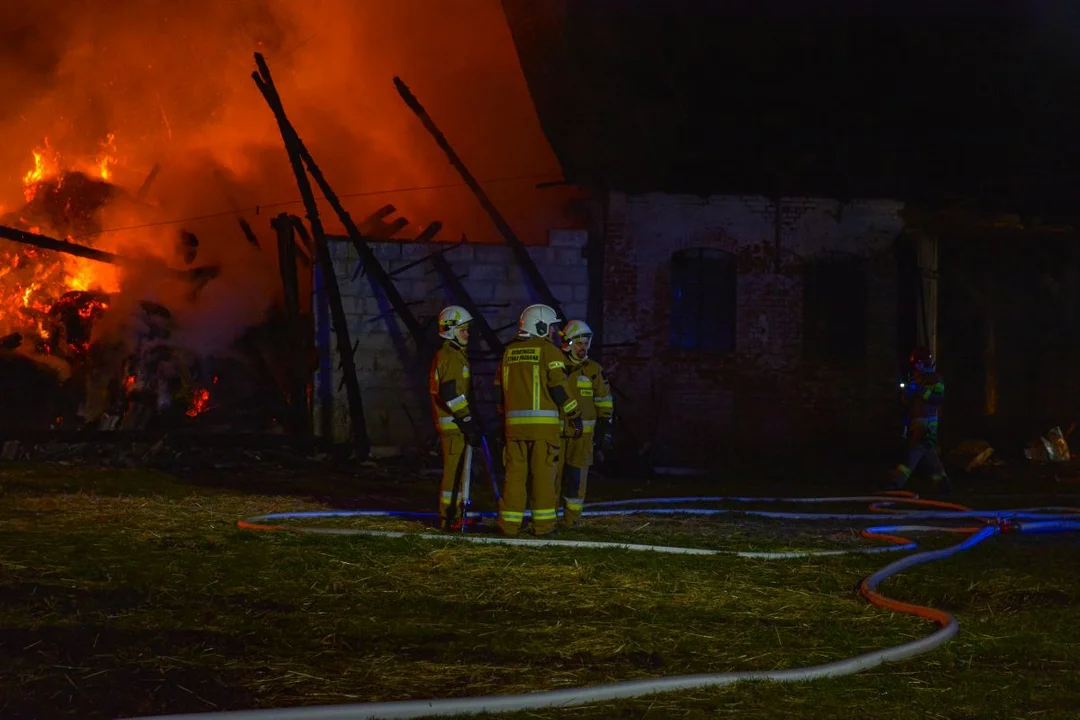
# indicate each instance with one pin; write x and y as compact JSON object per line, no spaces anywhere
{"x":453,"y":457}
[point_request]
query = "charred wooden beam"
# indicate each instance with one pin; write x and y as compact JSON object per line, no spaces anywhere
{"x":196,"y":275}
{"x":294,"y":147}
{"x":144,"y":189}
{"x":428,"y":234}
{"x":245,"y":226}
{"x":374,"y":225}
{"x":463,"y":298}
{"x":300,"y":413}
{"x":321,"y":332}
{"x":188,"y":247}
{"x":516,"y":246}
{"x":395,"y":227}
{"x":302,"y":233}
{"x":249,"y":233}
{"x":372,"y":266}
{"x":421,"y":261}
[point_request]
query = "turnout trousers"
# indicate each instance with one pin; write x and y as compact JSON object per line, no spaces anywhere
{"x":456,"y":458}
{"x":530,"y":476}
{"x":920,"y":454}
{"x":573,"y":475}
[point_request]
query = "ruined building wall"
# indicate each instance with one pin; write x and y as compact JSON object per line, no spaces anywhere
{"x":777,"y":393}
{"x":393,"y":377}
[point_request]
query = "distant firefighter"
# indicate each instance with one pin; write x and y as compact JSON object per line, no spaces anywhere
{"x":532,"y":397}
{"x":451,"y":388}
{"x":923,"y":395}
{"x":588,"y":386}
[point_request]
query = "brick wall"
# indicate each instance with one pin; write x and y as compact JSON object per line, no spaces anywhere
{"x":393,"y":376}
{"x":764,"y":399}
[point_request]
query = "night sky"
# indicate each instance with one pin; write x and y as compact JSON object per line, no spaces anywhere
{"x":930,"y":102}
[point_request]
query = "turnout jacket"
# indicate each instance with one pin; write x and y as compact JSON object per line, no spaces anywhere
{"x":531,"y":390}
{"x":450,"y":385}
{"x":588,"y":386}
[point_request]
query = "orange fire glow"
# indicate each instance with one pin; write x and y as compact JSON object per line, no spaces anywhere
{"x":95,"y":305}
{"x":172,"y":85}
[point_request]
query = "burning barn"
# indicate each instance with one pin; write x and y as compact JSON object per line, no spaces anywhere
{"x":130,"y":296}
{"x":89,"y":337}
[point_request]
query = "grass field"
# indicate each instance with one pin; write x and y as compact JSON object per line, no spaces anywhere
{"x":128,"y":593}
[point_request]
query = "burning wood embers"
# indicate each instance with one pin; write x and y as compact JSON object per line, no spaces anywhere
{"x":75,"y":352}
{"x":135,"y":378}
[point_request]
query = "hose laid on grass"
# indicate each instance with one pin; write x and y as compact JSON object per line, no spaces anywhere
{"x":995,"y":522}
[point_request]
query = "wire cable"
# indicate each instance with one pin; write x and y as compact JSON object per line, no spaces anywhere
{"x":257,"y":208}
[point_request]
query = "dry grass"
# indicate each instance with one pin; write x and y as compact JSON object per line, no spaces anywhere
{"x":126,"y":593}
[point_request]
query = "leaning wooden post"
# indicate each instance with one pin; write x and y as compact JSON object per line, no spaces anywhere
{"x":372,"y":266}
{"x":516,"y":246}
{"x":358,"y":424}
{"x":290,"y":287}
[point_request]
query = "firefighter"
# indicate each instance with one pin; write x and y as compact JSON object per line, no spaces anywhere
{"x":532,"y":396}
{"x":450,"y":392}
{"x":589,"y":387}
{"x":923,"y":395}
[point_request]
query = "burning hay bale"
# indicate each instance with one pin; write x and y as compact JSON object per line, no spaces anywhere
{"x":69,"y":204}
{"x":91,"y":334}
{"x":31,"y":279}
{"x":70,"y":321}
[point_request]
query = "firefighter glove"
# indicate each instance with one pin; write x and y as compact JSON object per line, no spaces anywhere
{"x":471,"y":430}
{"x":604,"y":437}
{"x":574,"y":427}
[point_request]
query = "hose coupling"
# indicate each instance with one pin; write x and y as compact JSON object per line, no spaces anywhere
{"x":1005,"y":525}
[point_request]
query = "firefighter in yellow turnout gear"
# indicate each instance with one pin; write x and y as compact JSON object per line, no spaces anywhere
{"x":589,"y":387}
{"x":532,"y":397}
{"x":451,"y":388}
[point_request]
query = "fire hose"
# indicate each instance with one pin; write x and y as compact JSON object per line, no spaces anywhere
{"x":991,"y":523}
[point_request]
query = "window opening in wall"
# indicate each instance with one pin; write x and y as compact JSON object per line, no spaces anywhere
{"x":703,"y":300}
{"x":834,"y":309}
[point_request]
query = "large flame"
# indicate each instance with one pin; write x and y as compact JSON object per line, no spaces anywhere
{"x":31,"y":279}
{"x":46,"y":165}
{"x":107,"y":157}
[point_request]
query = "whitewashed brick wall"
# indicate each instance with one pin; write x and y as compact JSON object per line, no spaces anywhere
{"x":392,"y":374}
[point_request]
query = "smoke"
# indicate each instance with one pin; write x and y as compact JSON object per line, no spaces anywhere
{"x":172,"y":82}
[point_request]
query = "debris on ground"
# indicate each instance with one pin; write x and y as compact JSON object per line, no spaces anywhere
{"x":1049,"y":448}
{"x":972,"y":454}
{"x":183,"y":454}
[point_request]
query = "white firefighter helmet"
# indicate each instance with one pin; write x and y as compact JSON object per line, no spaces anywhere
{"x":577,"y":330}
{"x":537,"y":321}
{"x":452,"y":318}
